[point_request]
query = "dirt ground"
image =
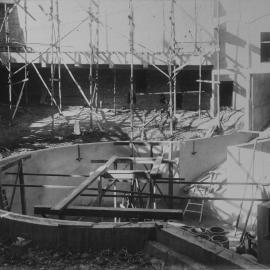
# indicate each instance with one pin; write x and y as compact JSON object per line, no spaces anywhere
{"x":40,"y":127}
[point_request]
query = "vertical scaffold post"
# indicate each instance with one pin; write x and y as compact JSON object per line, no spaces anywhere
{"x":170,"y":188}
{"x":97,"y":56}
{"x":114,"y":191}
{"x":25,"y":49}
{"x":59,"y":54}
{"x":218,"y":64}
{"x":171,"y":62}
{"x":91,"y":62}
{"x":200,"y":86}
{"x":131,"y":45}
{"x":7,"y":39}
{"x":114,"y":91}
{"x":52,"y":60}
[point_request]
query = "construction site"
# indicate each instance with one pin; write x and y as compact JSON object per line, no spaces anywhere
{"x":134,"y":134}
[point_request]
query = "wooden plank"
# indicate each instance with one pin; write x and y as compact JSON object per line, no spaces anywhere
{"x":136,"y":160}
{"x":14,"y":162}
{"x":8,"y":2}
{"x":125,"y":174}
{"x":137,"y":143}
{"x":91,"y":179}
{"x":141,"y":213}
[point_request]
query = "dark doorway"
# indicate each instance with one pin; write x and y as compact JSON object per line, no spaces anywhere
{"x":140,"y":81}
{"x":188,"y":88}
{"x":226,"y":91}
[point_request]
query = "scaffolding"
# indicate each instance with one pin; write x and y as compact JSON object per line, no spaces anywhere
{"x":56,"y":61}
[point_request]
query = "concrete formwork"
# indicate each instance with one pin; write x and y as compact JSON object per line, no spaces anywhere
{"x":192,"y":158}
{"x":64,"y":160}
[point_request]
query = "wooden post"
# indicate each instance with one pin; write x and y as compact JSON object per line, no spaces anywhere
{"x":91,"y":62}
{"x":218,"y":65}
{"x":200,"y":87}
{"x":171,"y":62}
{"x":22,"y":190}
{"x":114,"y":193}
{"x":58,"y":54}
{"x":174,"y":91}
{"x":7,"y":40}
{"x":25,"y":49}
{"x":170,"y":177}
{"x":52,"y":61}
{"x":114,"y":91}
{"x":97,"y":56}
{"x":100,"y":191}
{"x":131,"y":41}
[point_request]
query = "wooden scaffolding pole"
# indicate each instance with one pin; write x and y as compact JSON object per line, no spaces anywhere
{"x":218,"y":63}
{"x":200,"y":86}
{"x":52,"y":61}
{"x":173,"y":43}
{"x":25,"y":49}
{"x":171,"y":63}
{"x":114,"y":91}
{"x":97,"y":56}
{"x":131,"y":46}
{"x":58,"y":45}
{"x":91,"y":62}
{"x":7,"y":39}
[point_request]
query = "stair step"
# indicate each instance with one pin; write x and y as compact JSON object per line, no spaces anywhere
{"x":172,"y":258}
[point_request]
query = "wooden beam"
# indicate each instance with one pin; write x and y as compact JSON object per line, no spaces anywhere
{"x":141,"y":213}
{"x":14,"y":162}
{"x":125,"y":174}
{"x":91,"y":179}
{"x":137,"y":143}
{"x":136,"y":160}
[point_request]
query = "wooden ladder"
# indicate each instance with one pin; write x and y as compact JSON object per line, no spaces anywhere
{"x":197,"y":205}
{"x":191,"y":205}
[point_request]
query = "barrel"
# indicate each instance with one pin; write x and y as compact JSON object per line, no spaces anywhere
{"x":220,"y":240}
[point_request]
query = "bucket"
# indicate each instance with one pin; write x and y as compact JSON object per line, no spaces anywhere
{"x":220,"y":240}
{"x":216,"y":231}
{"x":204,"y":236}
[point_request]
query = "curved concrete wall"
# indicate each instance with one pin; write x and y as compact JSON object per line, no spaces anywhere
{"x":75,"y":235}
{"x":192,"y":158}
{"x":63,"y":160}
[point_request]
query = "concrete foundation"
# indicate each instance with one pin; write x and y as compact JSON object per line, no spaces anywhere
{"x":205,"y":251}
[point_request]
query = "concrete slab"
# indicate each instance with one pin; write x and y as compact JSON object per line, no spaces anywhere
{"x":206,"y":252}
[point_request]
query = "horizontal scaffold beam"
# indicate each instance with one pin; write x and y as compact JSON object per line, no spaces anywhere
{"x":135,"y":160}
{"x":141,"y":213}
